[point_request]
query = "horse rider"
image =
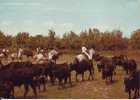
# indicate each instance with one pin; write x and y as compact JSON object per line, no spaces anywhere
{"x":39,"y":58}
{"x":4,"y":50}
{"x":37,"y":50}
{"x":51,"y":54}
{"x":85,"y":55}
{"x":19,"y":55}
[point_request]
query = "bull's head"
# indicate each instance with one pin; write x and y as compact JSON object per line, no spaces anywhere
{"x":72,"y":66}
{"x":100,"y":66}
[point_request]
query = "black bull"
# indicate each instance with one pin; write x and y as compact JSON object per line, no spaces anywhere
{"x":28,"y":74}
{"x":18,"y":73}
{"x":60,"y":72}
{"x":81,"y":67}
{"x":107,"y":67}
{"x":132,"y":83}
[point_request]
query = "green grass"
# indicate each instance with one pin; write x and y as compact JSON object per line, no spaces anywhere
{"x":96,"y":89}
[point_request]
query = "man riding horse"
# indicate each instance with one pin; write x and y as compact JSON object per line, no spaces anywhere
{"x":85,"y":55}
{"x":53,"y":55}
{"x":83,"y":62}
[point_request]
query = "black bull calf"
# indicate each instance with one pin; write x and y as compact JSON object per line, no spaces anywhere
{"x":60,"y":72}
{"x":18,"y":73}
{"x":107,"y":67}
{"x":81,"y":67}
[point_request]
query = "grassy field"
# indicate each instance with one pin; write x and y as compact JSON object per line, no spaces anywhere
{"x":86,"y":89}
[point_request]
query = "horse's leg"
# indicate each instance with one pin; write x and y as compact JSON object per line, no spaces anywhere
{"x":70,"y":82}
{"x":90,"y":74}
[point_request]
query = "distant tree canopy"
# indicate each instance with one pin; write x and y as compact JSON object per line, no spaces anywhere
{"x":135,"y":39}
{"x":5,"y":40}
{"x":113,"y":40}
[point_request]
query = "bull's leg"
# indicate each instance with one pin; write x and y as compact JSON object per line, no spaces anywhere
{"x":106,"y":79}
{"x":65,"y":80}
{"x":52,"y":80}
{"x":83,"y":76}
{"x":44,"y":84}
{"x":37,"y":80}
{"x":51,"y":77}
{"x":60,"y":83}
{"x":111,"y":80}
{"x":76,"y":77}
{"x":127,"y":72}
{"x":70,"y":82}
{"x":114,"y":72}
{"x":136,"y":94}
{"x":129,"y":93}
{"x":26,"y":87}
{"x":33,"y":86}
{"x":12,"y":92}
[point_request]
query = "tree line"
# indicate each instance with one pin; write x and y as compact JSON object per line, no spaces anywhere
{"x":113,"y":40}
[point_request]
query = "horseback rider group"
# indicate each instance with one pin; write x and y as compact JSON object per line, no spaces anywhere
{"x":43,"y":55}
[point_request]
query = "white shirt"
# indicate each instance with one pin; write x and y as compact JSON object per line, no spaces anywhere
{"x":84,"y":49}
{"x":51,"y":54}
{"x":3,"y":50}
{"x":20,"y":52}
{"x":39,"y":56}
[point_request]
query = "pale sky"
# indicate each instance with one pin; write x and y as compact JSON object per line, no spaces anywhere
{"x":37,"y":16}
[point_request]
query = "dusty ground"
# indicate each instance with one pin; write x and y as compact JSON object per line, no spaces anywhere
{"x":87,"y":89}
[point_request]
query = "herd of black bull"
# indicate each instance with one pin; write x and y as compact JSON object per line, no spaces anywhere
{"x":34,"y":75}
